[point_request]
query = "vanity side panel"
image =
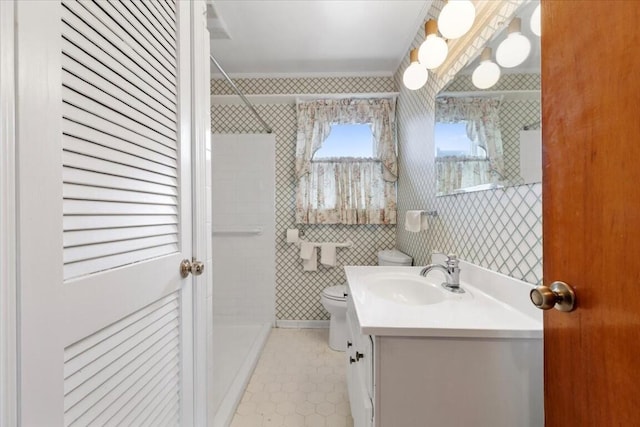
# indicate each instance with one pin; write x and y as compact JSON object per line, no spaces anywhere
{"x":447,"y":382}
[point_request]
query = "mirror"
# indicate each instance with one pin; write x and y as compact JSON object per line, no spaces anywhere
{"x":491,"y":138}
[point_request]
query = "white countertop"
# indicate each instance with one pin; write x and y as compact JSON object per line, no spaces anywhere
{"x":495,"y":306}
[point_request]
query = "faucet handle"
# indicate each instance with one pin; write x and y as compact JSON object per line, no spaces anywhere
{"x":452,"y":261}
{"x":451,"y":258}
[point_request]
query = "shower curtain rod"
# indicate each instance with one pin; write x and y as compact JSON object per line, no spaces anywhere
{"x":248,"y":103}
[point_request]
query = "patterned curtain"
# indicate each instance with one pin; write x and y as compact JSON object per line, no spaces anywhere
{"x":346,"y":190}
{"x":455,"y":172}
{"x":483,"y":128}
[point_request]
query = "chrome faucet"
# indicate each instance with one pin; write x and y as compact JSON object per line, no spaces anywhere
{"x":451,"y":272}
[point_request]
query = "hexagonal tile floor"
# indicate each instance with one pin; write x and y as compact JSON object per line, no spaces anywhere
{"x":298,"y":382}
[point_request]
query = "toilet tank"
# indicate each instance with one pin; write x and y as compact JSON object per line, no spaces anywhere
{"x":393,"y":257}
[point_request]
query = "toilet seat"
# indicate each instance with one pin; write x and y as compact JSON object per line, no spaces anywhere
{"x":335,"y":293}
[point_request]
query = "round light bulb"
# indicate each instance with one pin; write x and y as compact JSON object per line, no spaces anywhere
{"x":415,"y":76}
{"x":513,"y":51}
{"x":485,"y":75}
{"x":433,"y":51}
{"x":456,"y":18}
{"x":535,"y":21}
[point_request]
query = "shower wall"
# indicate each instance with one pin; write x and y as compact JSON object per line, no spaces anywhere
{"x":243,"y":234}
{"x":243,"y":228}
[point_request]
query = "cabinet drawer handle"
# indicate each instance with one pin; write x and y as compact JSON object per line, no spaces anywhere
{"x":349,"y":344}
{"x":359,"y":356}
{"x":352,"y":360}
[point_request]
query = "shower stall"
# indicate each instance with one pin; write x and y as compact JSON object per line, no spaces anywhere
{"x":243,"y":239}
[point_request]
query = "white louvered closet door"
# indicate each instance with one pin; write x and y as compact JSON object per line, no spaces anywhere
{"x":104,"y":117}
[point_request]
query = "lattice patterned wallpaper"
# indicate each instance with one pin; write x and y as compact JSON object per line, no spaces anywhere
{"x":514,"y":114}
{"x":499,"y":229}
{"x":297,"y":291}
{"x":321,"y":85}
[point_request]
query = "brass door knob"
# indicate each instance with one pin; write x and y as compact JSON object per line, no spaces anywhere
{"x":194,"y":267}
{"x":559,"y":296}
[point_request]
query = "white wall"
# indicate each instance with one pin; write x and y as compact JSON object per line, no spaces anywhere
{"x":243,"y":200}
{"x":8,"y":323}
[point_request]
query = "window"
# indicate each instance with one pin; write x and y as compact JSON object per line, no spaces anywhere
{"x":468,"y":144}
{"x":346,"y":163}
{"x":452,"y":139}
{"x":350,"y":140}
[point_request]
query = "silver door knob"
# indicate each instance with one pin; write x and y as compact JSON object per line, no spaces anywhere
{"x":194,"y":267}
{"x":559,"y":296}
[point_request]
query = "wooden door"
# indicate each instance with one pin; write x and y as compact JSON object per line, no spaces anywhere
{"x":104,"y":213}
{"x":591,"y":204}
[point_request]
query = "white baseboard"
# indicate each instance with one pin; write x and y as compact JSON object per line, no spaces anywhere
{"x":302,"y":324}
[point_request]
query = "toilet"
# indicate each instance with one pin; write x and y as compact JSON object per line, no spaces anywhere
{"x":334,"y":300}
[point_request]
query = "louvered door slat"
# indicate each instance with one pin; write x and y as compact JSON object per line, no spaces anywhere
{"x":170,"y":417}
{"x":89,"y":23}
{"x":157,"y":404}
{"x":134,"y":398}
{"x":106,"y":340}
{"x":164,"y":372}
{"x":90,"y":207}
{"x":106,"y":367}
{"x":77,"y":47}
{"x":170,"y":6}
{"x":84,"y":192}
{"x":119,"y":95}
{"x":132,"y":37}
{"x":116,"y":371}
{"x":91,"y":148}
{"x":80,"y":161}
{"x":140,"y":26}
{"x":118,"y":109}
{"x":76,"y":98}
{"x":75,"y":176}
{"x":86,"y":133}
{"x":91,"y":121}
{"x":92,"y":41}
{"x":164,"y":15}
{"x":98,"y":250}
{"x":157,"y":21}
{"x":133,"y":358}
{"x":146,"y":19}
{"x":162,"y":408}
{"x":98,"y":222}
{"x":127,"y":81}
{"x":99,"y":398}
{"x":86,"y":237}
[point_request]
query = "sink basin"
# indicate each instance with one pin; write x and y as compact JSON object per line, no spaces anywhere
{"x":405,"y":289}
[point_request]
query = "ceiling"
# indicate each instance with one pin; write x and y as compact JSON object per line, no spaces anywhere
{"x":313,"y":37}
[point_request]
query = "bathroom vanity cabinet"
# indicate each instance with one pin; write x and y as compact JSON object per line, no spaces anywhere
{"x":449,"y":378}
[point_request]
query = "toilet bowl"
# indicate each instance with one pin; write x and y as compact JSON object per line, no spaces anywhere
{"x":334,"y":300}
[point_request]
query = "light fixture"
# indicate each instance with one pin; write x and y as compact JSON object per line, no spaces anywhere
{"x":487,"y":73}
{"x":433,"y":51}
{"x":456,"y":18}
{"x":415,"y":76}
{"x":535,"y":21}
{"x":515,"y":48}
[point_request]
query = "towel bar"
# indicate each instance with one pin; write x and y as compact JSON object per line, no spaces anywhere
{"x":238,"y":230}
